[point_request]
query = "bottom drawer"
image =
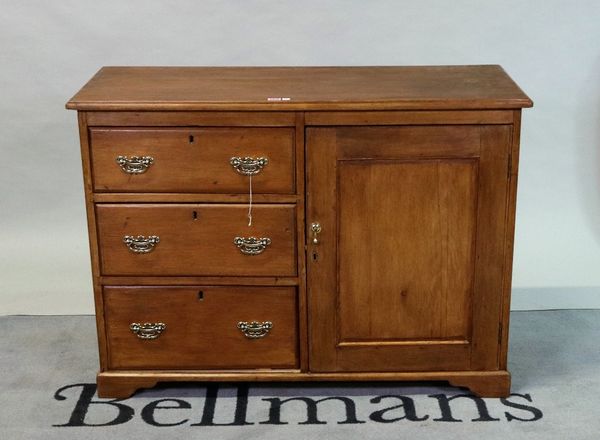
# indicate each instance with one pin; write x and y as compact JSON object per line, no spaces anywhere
{"x":201,"y":327}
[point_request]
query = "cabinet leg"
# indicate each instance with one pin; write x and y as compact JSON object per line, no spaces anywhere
{"x":121,"y":387}
{"x":485,"y":385}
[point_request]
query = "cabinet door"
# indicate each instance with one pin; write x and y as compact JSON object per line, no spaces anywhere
{"x":407,"y":273}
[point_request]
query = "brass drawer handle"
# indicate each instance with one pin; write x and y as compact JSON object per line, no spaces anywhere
{"x":147,"y":330}
{"x":135,"y":164}
{"x":248,"y":166}
{"x":141,"y":244}
{"x":255,"y":329}
{"x":251,"y":245}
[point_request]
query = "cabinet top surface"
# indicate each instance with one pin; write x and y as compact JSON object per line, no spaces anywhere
{"x":300,"y":88}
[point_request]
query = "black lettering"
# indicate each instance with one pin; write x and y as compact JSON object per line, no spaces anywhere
{"x":407,"y":404}
{"x":210,"y":403}
{"x":88,"y":390}
{"x":444,"y":402}
{"x":148,"y":411}
{"x":311,"y":410}
{"x":537,"y":414}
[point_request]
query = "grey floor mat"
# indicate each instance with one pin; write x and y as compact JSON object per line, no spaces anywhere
{"x":48,"y":366}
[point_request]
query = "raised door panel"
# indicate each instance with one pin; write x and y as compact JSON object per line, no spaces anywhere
{"x":407,"y":271}
{"x":426,"y":231}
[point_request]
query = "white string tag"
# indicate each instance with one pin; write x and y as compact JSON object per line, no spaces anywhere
{"x":250,"y":202}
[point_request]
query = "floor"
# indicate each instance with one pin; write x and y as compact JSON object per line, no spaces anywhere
{"x":48,"y":365}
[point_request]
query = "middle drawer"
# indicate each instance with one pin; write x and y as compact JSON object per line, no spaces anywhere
{"x":196,"y":240}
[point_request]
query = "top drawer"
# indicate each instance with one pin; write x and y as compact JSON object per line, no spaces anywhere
{"x":193,"y":160}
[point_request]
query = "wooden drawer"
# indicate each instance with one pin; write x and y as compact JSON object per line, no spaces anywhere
{"x":192,"y":159}
{"x":196,"y":239}
{"x":201,"y":327}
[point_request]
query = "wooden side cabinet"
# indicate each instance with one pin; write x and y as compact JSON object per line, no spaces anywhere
{"x":301,"y":224}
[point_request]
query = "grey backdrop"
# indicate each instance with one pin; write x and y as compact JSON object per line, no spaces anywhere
{"x":49,"y":49}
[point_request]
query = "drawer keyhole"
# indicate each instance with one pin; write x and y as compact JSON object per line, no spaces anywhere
{"x":195,"y":215}
{"x":191,"y":138}
{"x":200,"y":295}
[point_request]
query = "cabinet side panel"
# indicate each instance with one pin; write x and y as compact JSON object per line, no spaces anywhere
{"x":93,"y":236}
{"x":491,"y":227}
{"x":510,"y":234}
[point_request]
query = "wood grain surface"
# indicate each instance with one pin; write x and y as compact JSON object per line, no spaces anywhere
{"x":197,"y":239}
{"x":194,"y":159}
{"x":201,"y":327}
{"x":411,"y":172}
{"x":124,"y":383}
{"x":300,"y":88}
{"x":410,"y":256}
